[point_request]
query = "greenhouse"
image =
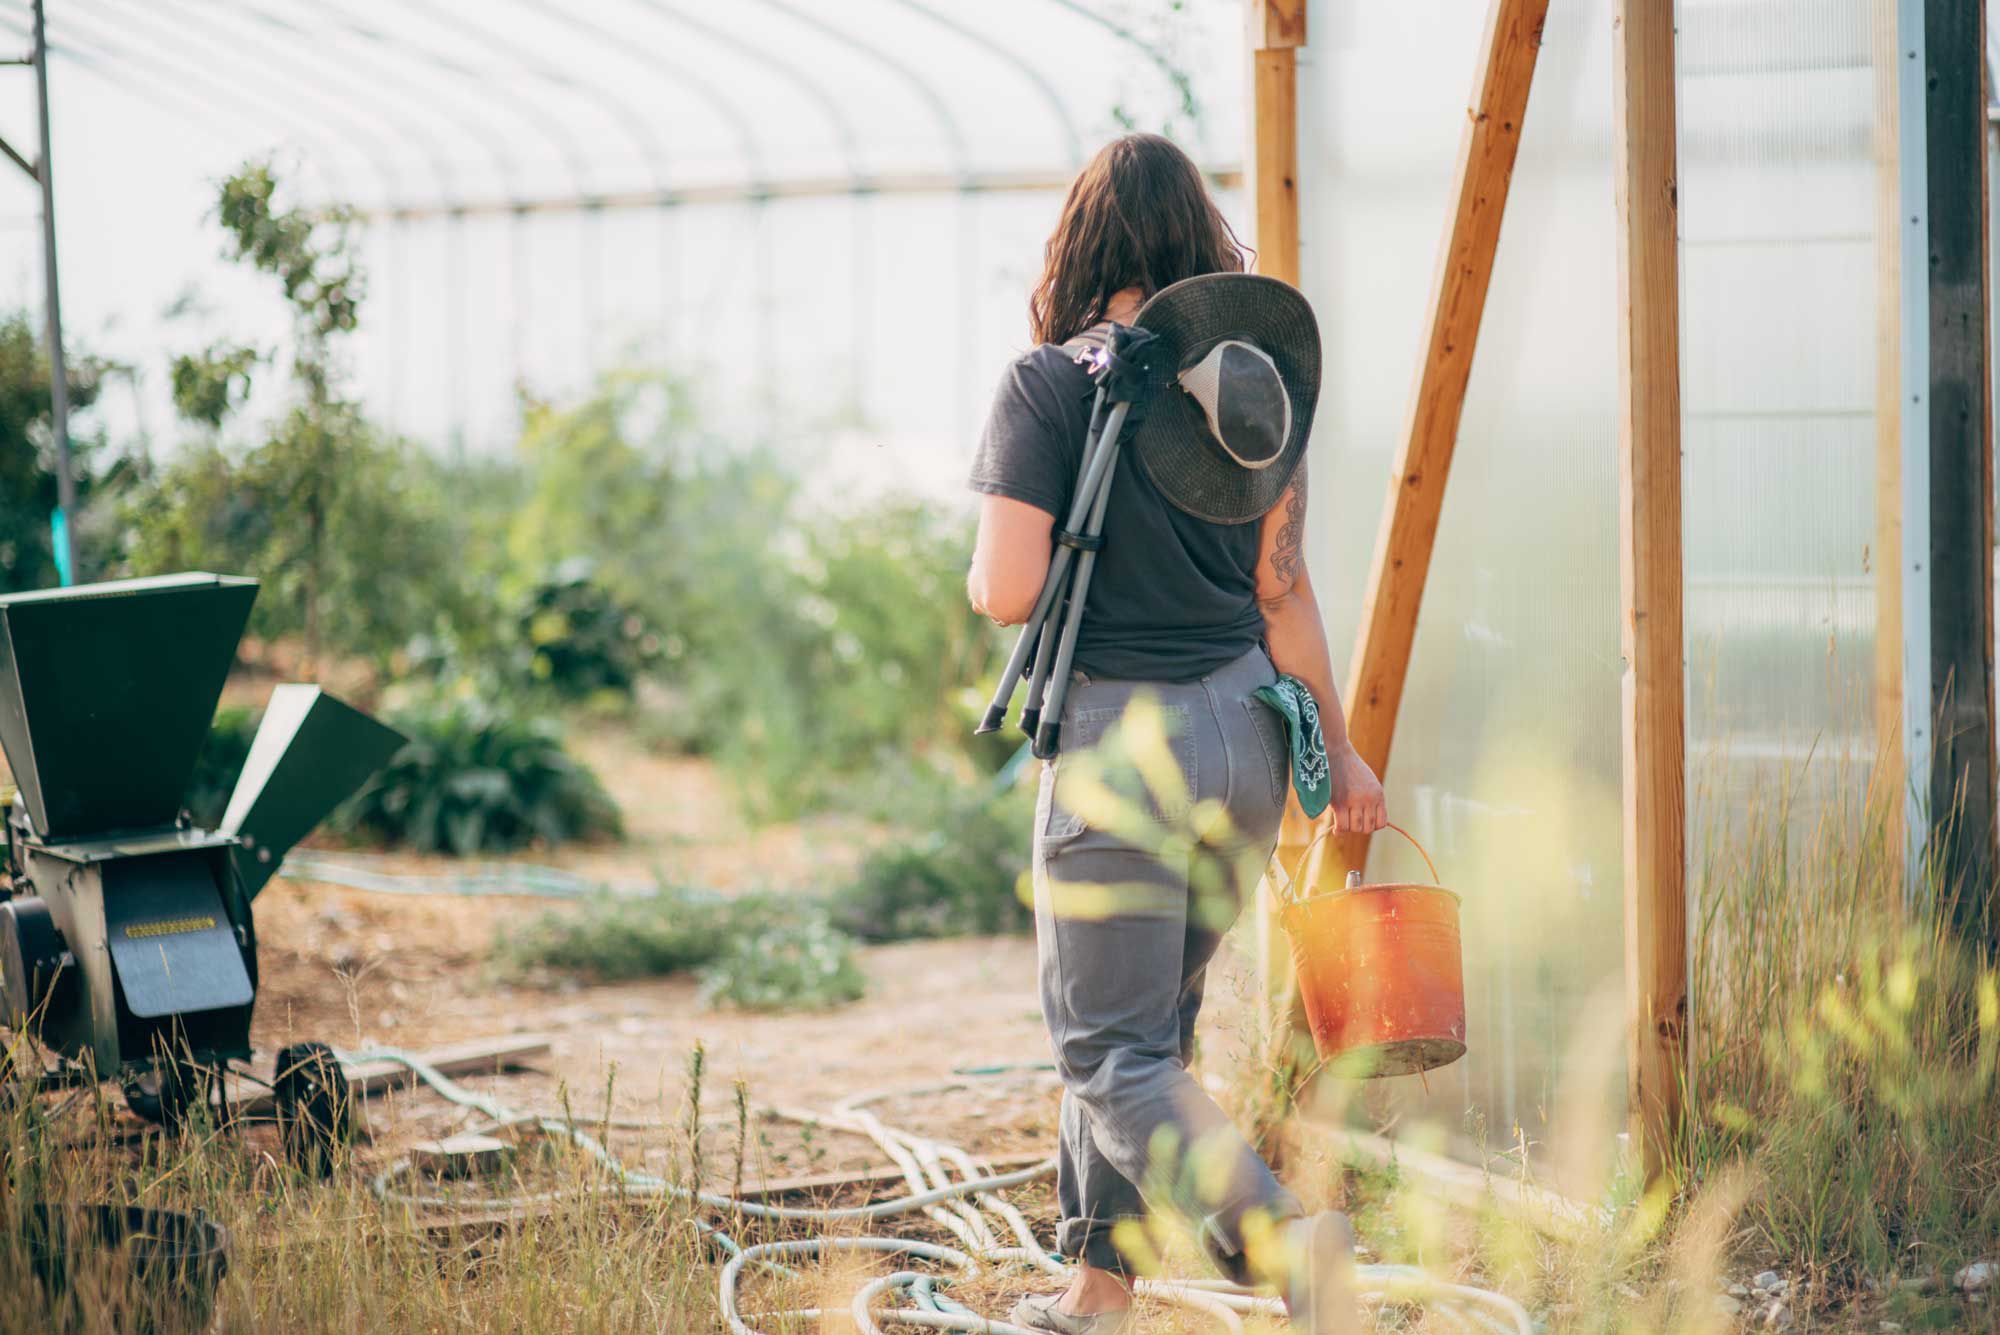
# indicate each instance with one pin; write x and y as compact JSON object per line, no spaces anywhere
{"x":488,"y":484}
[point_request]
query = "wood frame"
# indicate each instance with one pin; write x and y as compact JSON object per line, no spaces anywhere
{"x":1890,"y":780}
{"x":1486,"y":155}
{"x":1276,"y":29}
{"x":1644,"y":176}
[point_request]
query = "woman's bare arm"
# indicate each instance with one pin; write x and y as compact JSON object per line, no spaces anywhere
{"x":1296,"y":638}
{"x":1010,"y":559}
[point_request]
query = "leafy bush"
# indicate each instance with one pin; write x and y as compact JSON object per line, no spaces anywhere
{"x":960,"y":873}
{"x":614,"y":937}
{"x":758,"y":952}
{"x":801,"y":962}
{"x":221,"y":761}
{"x":579,"y":641}
{"x":806,"y":647}
{"x":470,"y":780}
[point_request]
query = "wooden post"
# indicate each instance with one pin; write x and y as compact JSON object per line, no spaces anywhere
{"x":1962,"y":777}
{"x":1649,"y":568}
{"x":1274,"y":30}
{"x":1486,"y":153}
{"x":1277,"y":28}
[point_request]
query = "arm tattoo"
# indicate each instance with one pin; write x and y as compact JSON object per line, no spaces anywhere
{"x":1288,"y":555}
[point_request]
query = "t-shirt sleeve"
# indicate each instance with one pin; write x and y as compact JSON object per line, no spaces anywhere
{"x":1023,"y":454}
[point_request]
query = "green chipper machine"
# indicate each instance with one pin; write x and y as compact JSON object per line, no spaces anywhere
{"x":127,"y":947}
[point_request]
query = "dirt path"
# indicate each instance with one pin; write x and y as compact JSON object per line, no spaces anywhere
{"x":354,"y":968}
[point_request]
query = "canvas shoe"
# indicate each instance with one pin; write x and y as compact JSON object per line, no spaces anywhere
{"x":1319,"y":1294}
{"x":1039,"y":1313}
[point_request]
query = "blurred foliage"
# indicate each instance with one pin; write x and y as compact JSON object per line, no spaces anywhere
{"x":384,"y":569}
{"x":615,"y":937}
{"x":472,"y":780}
{"x":800,"y":961}
{"x":579,"y":640}
{"x":808,"y":648}
{"x":211,"y":384}
{"x":221,"y":761}
{"x":312,"y":507}
{"x":755,"y":952}
{"x":28,"y":450}
{"x":959,"y":871}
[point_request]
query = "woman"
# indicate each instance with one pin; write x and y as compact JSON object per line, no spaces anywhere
{"x":1195,"y":616}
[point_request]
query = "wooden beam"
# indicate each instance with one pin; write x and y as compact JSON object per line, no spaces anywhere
{"x":1962,"y":777}
{"x":1486,"y":154}
{"x":1273,"y":31}
{"x":1277,"y":23}
{"x":1276,"y":29}
{"x":1649,"y":568}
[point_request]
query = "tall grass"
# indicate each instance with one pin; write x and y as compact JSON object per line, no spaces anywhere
{"x":312,"y":1256}
{"x":1844,"y":1040}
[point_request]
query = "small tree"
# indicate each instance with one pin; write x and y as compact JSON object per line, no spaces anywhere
{"x":321,"y":478}
{"x":27,"y":450}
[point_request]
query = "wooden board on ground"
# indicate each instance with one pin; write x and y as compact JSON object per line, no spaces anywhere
{"x":479,"y":1056}
{"x":1461,"y":1185}
{"x":465,"y":1155}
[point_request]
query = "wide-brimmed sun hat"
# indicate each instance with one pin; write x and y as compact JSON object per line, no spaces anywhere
{"x":1222,"y":440}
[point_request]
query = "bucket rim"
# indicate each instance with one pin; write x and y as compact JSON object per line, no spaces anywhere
{"x":1343,"y":891}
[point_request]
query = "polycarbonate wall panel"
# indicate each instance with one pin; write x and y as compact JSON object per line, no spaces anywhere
{"x":1507,"y":759}
{"x":1779,"y":272}
{"x":1506,"y":756}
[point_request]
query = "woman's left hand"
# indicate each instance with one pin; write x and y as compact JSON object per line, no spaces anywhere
{"x":1358,"y":805}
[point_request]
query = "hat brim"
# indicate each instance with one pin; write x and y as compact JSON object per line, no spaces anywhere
{"x":1185,"y":462}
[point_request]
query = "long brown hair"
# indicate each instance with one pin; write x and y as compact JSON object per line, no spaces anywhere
{"x":1137,"y":216}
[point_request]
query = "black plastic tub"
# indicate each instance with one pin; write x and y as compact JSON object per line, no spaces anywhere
{"x":176,"y":1260}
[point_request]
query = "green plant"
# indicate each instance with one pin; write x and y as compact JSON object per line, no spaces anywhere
{"x":473,"y":780}
{"x":614,"y":937}
{"x":1847,"y":1049}
{"x":27,"y":450}
{"x":754,"y":952}
{"x":578,"y":640}
{"x":317,"y":499}
{"x":798,"y":962}
{"x":221,"y":761}
{"x":806,"y":648}
{"x":958,"y":872}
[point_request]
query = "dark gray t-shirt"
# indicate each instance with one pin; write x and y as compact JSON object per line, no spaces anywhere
{"x":1173,"y":597}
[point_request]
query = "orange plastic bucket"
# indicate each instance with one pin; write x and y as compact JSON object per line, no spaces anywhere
{"x":1380,"y":973}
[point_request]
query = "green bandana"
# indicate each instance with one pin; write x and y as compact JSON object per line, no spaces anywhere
{"x":1310,"y":774}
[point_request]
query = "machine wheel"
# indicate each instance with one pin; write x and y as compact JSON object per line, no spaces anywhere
{"x":315,"y":1106}
{"x":168,"y":1091}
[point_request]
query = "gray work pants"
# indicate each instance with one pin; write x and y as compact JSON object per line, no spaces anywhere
{"x":1131,"y":901}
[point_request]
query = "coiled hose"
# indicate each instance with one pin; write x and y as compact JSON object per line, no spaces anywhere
{"x":991,"y":1231}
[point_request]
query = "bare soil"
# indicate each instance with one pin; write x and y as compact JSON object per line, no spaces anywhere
{"x":357,"y":968}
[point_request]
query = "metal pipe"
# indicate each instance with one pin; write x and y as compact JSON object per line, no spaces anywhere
{"x":52,"y":293}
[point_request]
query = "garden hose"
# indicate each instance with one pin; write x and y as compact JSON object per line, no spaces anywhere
{"x":359,"y":871}
{"x":969,"y":1207}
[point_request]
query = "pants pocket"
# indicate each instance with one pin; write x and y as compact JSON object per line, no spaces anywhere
{"x":1270,"y":729}
{"x":1089,"y":771}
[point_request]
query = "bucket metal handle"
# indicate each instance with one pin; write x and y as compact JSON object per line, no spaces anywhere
{"x":1326,"y":828}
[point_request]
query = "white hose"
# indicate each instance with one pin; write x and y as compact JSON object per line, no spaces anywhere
{"x":954,"y":1205}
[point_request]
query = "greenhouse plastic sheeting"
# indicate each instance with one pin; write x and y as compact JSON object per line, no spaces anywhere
{"x":1507,"y":755}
